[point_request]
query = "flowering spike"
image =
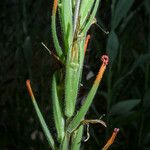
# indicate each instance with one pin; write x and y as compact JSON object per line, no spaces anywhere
{"x":102,"y":69}
{"x":55,"y":6}
{"x":111,"y":140}
{"x":30,"y":89}
{"x":86,"y":43}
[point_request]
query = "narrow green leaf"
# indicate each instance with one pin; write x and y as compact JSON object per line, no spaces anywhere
{"x":55,"y":38}
{"x":77,"y":138}
{"x":71,"y":88}
{"x":72,"y":80}
{"x":66,"y":17}
{"x":126,"y":118}
{"x":43,"y":125}
{"x":112,"y":46}
{"x":87,"y":103}
{"x":83,"y":110}
{"x":40,"y":117}
{"x":124,"y":106}
{"x":58,"y":116}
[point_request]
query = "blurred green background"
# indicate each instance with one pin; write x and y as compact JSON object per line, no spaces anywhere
{"x":124,"y":94}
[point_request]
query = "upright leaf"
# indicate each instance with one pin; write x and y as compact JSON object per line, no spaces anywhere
{"x":40,"y":117}
{"x":124,"y":106}
{"x":112,"y":46}
{"x":120,"y":11}
{"x":66,"y":17}
{"x":58,"y":116}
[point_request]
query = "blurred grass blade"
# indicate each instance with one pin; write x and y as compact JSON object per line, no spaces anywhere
{"x":27,"y":50}
{"x":124,"y":106}
{"x":112,"y":46}
{"x":142,"y":60}
{"x":76,"y":139}
{"x":58,"y":116}
{"x":41,"y":119}
{"x":120,"y":11}
{"x":54,"y":32}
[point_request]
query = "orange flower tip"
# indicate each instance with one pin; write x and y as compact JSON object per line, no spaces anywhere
{"x":116,"y":130}
{"x":88,"y":36}
{"x":55,"y":6}
{"x":29,"y":88}
{"x":27,"y":82}
{"x":105,"y":59}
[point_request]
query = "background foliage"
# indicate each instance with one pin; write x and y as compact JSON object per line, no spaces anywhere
{"x":123,"y":95}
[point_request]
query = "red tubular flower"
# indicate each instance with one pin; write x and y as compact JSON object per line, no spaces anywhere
{"x":55,"y":6}
{"x":29,"y":89}
{"x":102,"y":69}
{"x":86,"y":43}
{"x":111,"y":140}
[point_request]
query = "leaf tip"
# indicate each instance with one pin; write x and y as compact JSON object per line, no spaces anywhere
{"x":86,"y":43}
{"x":55,"y":6}
{"x":29,"y":89}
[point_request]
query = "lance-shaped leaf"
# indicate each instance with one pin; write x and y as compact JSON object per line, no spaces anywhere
{"x":84,"y":108}
{"x":66,"y":23}
{"x":112,"y":46}
{"x":71,"y":88}
{"x":54,"y":32}
{"x":41,"y":119}
{"x":91,"y":18}
{"x":73,"y":75}
{"x":58,"y":116}
{"x":120,"y":12}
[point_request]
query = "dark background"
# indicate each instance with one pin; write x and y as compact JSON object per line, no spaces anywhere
{"x":24,"y":24}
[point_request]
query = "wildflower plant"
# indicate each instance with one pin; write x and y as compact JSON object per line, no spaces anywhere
{"x":76,"y":17}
